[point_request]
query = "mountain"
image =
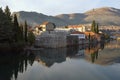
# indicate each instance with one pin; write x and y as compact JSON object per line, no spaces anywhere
{"x":34,"y":18}
{"x":104,"y":16}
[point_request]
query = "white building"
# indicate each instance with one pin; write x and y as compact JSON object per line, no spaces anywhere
{"x":80,"y":28}
{"x":79,"y":34}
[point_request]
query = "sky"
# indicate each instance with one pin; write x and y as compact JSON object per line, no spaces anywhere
{"x":55,"y":7}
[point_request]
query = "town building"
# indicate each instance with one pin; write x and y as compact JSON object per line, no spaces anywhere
{"x":47,"y":26}
{"x":80,"y":28}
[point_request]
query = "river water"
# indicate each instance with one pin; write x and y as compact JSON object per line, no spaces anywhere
{"x":95,"y":62}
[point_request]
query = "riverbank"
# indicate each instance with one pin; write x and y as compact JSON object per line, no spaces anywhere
{"x":6,"y":47}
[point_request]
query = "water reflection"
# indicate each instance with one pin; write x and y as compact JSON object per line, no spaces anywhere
{"x":110,"y":55}
{"x":92,"y":51}
{"x":13,"y":63}
{"x":48,"y":57}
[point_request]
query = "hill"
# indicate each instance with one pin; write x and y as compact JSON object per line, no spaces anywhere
{"x":34,"y":18}
{"x":104,"y":16}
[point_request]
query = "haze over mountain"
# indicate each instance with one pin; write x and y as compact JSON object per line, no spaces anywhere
{"x":104,"y":16}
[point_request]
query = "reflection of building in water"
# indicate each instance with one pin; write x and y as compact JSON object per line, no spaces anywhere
{"x":48,"y":57}
{"x":113,"y":44}
{"x":108,"y":56}
{"x":75,"y":52}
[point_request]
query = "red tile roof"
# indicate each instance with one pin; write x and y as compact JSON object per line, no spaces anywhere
{"x":74,"y":26}
{"x":89,"y":32}
{"x":45,"y":23}
{"x":77,"y":32}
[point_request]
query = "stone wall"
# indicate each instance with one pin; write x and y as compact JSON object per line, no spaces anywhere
{"x":51,"y":39}
{"x":72,"y":40}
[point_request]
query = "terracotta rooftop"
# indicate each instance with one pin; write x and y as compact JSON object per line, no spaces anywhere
{"x":45,"y":23}
{"x":89,"y":32}
{"x":74,"y":26}
{"x":77,"y":32}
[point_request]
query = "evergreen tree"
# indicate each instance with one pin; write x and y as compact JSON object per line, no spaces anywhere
{"x":15,"y":28}
{"x":18,"y":36}
{"x":22,"y":31}
{"x":7,"y":12}
{"x":89,"y":38}
{"x":2,"y":37}
{"x":97,"y":28}
{"x":93,"y":26}
{"x":15,"y":20}
{"x":5,"y":27}
{"x":25,"y":32}
{"x":31,"y":37}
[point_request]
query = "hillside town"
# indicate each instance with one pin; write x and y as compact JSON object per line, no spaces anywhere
{"x":49,"y":36}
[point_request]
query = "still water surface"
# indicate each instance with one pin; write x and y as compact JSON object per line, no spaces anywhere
{"x":96,"y":62}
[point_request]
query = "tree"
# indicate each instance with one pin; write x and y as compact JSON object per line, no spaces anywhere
{"x":22,"y":31}
{"x":31,"y":37}
{"x":15,"y":20}
{"x":93,"y":26}
{"x":7,"y":12}
{"x":5,"y":27}
{"x":97,"y":28}
{"x":17,"y":30}
{"x":26,"y":31}
{"x":89,"y":37}
{"x":2,"y":37}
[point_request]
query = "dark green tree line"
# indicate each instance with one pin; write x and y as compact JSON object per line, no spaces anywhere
{"x":6,"y":32}
{"x":10,"y":29}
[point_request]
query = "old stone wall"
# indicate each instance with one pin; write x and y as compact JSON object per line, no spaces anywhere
{"x":51,"y":39}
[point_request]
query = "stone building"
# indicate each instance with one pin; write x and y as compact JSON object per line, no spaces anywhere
{"x":51,"y":40}
{"x":47,"y":26}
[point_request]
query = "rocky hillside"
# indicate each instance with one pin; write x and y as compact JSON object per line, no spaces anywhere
{"x":104,"y":16}
{"x":34,"y":18}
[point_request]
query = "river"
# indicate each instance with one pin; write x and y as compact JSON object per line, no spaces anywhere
{"x":95,"y":62}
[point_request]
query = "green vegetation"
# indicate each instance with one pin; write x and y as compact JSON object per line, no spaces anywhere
{"x":18,"y":34}
{"x":11,"y":33}
{"x":31,"y":37}
{"x":95,"y":27}
{"x":6,"y":32}
{"x":25,"y":26}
